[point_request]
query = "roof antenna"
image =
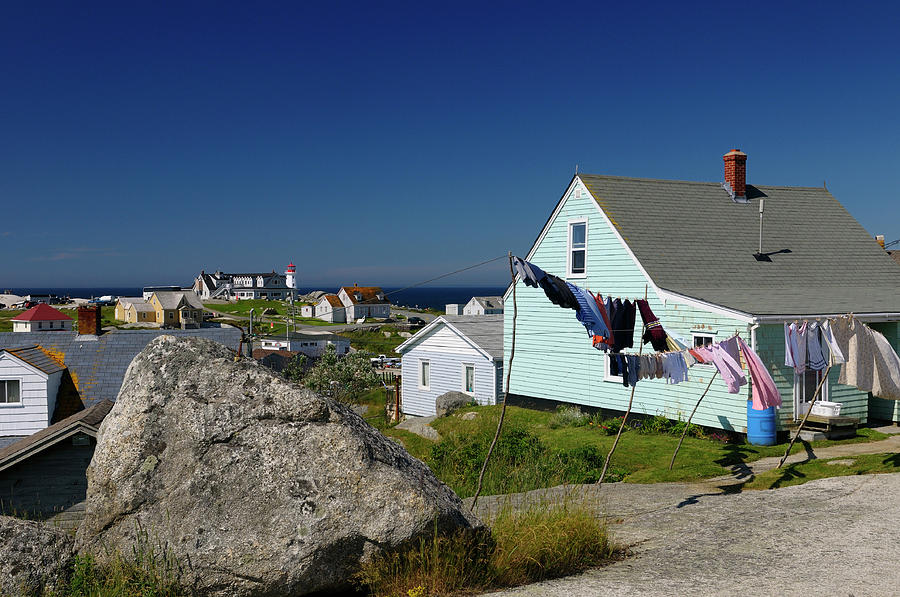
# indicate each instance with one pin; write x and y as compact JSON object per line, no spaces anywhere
{"x":576,"y":169}
{"x":824,"y":186}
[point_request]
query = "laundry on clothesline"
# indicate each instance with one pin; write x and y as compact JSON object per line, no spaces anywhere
{"x":610,"y":325}
{"x":872,"y":365}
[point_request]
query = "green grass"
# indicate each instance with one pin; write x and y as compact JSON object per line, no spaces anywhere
{"x":5,"y":316}
{"x":243,"y":307}
{"x":803,"y":472}
{"x":639,"y":458}
{"x":545,"y":541}
{"x":374,"y":341}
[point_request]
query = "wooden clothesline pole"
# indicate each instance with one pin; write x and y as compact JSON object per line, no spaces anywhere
{"x":512,"y":353}
{"x":627,"y":412}
{"x":688,"y":424}
{"x":805,"y":417}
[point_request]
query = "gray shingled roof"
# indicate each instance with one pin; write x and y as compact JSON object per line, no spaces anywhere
{"x":170,"y":299}
{"x":693,"y":240}
{"x":490,"y":302}
{"x":484,"y":330}
{"x":98,"y":363}
{"x":35,"y":357}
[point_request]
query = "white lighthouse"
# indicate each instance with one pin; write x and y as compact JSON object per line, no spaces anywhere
{"x":291,"y":278}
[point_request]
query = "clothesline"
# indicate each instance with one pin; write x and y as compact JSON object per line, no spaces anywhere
{"x":610,"y":325}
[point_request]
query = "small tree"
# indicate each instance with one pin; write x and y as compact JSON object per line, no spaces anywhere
{"x":342,"y":378}
{"x":295,"y":370}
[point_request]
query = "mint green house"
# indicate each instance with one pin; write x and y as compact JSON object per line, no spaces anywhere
{"x":694,"y":247}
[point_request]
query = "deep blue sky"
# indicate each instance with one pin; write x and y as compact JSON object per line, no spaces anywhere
{"x":383,"y":143}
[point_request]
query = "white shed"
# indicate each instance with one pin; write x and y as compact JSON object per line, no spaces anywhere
{"x":453,"y":309}
{"x":312,"y":343}
{"x":484,"y":305}
{"x":452,"y":353}
{"x":29,"y":380}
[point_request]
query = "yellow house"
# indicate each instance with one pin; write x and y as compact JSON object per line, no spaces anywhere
{"x":135,"y":310}
{"x":177,"y":308}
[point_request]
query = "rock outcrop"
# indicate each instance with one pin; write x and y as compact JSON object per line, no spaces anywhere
{"x":34,"y":557}
{"x":450,"y":401}
{"x":255,"y":485}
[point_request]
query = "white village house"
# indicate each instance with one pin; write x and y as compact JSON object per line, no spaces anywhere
{"x":484,"y":305}
{"x":352,"y":303}
{"x":41,"y":317}
{"x":452,"y":354}
{"x":269,"y":286}
{"x":29,"y":380}
{"x":312,"y":343}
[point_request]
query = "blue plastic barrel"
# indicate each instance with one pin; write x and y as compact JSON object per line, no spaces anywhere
{"x":760,"y":426}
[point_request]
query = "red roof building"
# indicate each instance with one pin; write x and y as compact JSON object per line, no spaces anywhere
{"x":40,"y":318}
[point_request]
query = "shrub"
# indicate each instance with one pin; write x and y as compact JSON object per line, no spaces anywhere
{"x":520,"y":462}
{"x":567,"y":416}
{"x":538,"y":543}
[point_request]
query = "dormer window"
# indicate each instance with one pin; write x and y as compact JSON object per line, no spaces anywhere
{"x":358,"y":295}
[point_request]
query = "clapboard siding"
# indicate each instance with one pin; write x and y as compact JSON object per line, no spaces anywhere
{"x":554,"y":358}
{"x":38,"y":398}
{"x":880,"y":408}
{"x":446,"y":352}
{"x":48,"y":482}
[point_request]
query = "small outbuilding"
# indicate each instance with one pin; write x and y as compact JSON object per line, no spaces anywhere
{"x":452,"y":353}
{"x":42,"y":317}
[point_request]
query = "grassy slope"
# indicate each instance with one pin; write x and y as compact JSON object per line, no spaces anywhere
{"x":645,"y":457}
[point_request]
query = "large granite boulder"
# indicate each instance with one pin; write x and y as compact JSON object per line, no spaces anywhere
{"x":255,"y":485}
{"x":34,"y":557}
{"x":448,"y":402}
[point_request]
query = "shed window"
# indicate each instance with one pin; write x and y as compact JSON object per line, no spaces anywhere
{"x":469,"y":378}
{"x":424,"y":374}
{"x":805,"y":385}
{"x":577,"y":248}
{"x":10,"y":391}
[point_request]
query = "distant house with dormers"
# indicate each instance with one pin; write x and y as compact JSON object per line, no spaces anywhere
{"x":267,"y":286}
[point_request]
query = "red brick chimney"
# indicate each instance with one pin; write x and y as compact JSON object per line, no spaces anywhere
{"x":89,"y":320}
{"x":736,"y":173}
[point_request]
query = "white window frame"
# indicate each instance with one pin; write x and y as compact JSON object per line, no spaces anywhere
{"x":607,"y":367}
{"x":825,"y":394}
{"x":21,"y":383}
{"x":570,"y":249}
{"x":464,"y":367}
{"x":712,"y":340}
{"x":422,"y":376}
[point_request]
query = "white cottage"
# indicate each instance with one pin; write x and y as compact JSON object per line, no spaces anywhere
{"x":42,"y":318}
{"x":331,"y":309}
{"x":484,"y":305}
{"x":452,"y":354}
{"x":312,"y":343}
{"x":29,"y":381}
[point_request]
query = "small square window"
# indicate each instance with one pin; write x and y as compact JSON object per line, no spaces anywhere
{"x":10,"y":391}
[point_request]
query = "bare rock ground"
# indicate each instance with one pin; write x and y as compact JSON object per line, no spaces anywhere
{"x":837,"y":536}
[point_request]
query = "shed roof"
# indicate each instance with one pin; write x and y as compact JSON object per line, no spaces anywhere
{"x":333,"y":300}
{"x":485,"y":331}
{"x":36,"y":357}
{"x":98,"y":363}
{"x":692,"y":239}
{"x":42,"y":312}
{"x":88,"y":420}
{"x":489,"y":302}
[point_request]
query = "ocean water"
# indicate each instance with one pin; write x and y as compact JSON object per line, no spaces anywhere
{"x":434,"y":297}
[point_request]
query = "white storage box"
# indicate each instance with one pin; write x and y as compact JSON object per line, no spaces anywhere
{"x":826,"y":409}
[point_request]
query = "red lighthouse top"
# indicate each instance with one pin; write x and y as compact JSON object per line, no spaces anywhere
{"x":290,"y":267}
